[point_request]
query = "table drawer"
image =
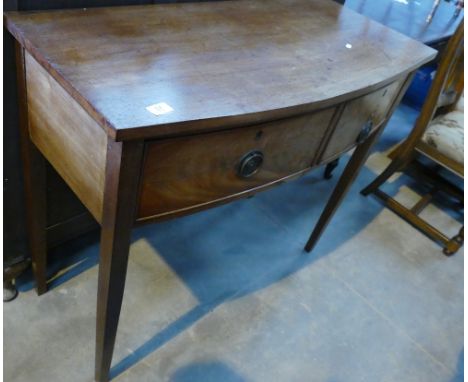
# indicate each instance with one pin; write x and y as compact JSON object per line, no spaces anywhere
{"x":189,"y":172}
{"x":373,"y":107}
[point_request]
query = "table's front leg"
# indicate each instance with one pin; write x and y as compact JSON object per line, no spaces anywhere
{"x":360,"y":154}
{"x":344,"y":183}
{"x":120,"y":199}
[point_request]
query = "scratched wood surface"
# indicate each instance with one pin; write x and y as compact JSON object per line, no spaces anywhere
{"x":216,"y":64}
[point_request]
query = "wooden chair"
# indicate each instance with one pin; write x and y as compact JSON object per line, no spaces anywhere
{"x":437,"y":135}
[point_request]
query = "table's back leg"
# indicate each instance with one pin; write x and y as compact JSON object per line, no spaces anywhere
{"x":34,"y":177}
{"x":327,"y":174}
{"x":36,"y":210}
{"x":344,"y":183}
{"x":120,"y":199}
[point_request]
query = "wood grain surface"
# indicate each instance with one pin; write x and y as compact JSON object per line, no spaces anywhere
{"x":183,"y":173}
{"x":228,"y":78}
{"x":217,"y":64}
{"x":373,"y":107}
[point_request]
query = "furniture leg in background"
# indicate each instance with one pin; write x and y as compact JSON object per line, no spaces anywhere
{"x":10,"y":272}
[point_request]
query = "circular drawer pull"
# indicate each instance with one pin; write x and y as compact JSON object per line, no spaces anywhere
{"x":250,"y":164}
{"x":365,"y":131}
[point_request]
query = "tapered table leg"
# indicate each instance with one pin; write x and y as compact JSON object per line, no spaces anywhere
{"x":34,"y":177}
{"x":120,"y":195}
{"x":344,"y":183}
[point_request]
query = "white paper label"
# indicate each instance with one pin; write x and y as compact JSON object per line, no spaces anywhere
{"x":159,"y":108}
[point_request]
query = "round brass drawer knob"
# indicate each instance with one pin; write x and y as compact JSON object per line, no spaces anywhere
{"x":250,"y":164}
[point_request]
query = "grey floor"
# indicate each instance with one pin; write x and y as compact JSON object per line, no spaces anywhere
{"x":228,"y":295}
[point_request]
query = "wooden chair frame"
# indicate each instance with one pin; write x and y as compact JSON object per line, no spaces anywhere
{"x":448,"y":76}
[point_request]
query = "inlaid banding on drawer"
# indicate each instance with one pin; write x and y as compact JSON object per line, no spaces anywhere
{"x":183,"y":173}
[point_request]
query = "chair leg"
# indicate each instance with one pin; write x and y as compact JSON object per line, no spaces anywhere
{"x":10,"y":272}
{"x":9,"y":291}
{"x":454,"y":244}
{"x":395,"y":165}
{"x":450,"y":245}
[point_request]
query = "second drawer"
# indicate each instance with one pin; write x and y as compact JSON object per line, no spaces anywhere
{"x":372,"y":108}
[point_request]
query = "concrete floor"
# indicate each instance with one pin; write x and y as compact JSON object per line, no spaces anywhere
{"x":228,"y":295}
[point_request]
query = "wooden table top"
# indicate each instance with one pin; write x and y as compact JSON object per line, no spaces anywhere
{"x":207,"y":65}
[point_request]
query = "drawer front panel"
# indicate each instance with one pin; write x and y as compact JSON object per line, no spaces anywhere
{"x":187,"y":172}
{"x":372,"y":107}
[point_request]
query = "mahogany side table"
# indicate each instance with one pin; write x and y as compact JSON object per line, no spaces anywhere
{"x":156,"y":111}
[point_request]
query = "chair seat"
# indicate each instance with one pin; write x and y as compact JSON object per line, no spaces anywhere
{"x":445,"y":133}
